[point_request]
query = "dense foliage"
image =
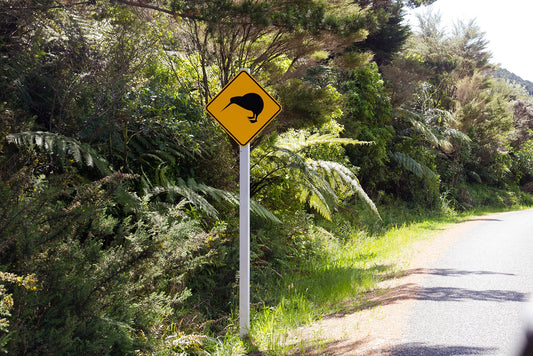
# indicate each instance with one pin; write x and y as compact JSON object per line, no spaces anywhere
{"x":504,"y":74}
{"x":118,"y":195}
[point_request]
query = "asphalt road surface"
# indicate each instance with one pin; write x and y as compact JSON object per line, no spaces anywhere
{"x":473,"y":301}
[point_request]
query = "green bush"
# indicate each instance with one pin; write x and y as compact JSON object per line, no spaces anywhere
{"x":104,"y":281}
{"x":367,"y":115}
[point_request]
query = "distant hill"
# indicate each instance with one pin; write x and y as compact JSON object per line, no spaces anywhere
{"x":505,"y":74}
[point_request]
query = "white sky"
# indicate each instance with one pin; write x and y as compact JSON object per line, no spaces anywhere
{"x":508,"y":26}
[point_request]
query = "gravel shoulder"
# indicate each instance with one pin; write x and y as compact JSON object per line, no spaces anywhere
{"x":370,"y":325}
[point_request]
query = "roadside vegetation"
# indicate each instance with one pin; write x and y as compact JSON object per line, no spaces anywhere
{"x":119,"y":195}
{"x":341,"y":275}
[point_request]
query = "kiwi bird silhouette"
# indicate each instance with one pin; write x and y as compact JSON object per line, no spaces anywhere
{"x":251,"y":101}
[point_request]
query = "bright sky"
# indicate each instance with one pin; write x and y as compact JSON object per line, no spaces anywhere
{"x":507,"y":25}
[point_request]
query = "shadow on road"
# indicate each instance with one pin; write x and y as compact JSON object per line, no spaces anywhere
{"x":450,"y":272}
{"x":411,"y":291}
{"x":440,"y":294}
{"x":420,"y":349}
{"x":479,"y":219}
{"x":444,"y":294}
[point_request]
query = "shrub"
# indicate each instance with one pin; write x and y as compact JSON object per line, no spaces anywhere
{"x":108,"y":270}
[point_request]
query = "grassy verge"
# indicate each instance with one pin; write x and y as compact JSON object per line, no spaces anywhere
{"x":345,"y":269}
{"x":332,"y":263}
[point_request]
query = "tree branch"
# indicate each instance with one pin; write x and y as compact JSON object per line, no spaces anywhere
{"x":147,"y":6}
{"x":190,"y":15}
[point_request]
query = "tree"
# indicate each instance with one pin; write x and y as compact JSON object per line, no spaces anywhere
{"x":486,"y":115}
{"x":390,"y":34}
{"x":449,"y":56}
{"x":280,"y":37}
{"x":467,"y":111}
{"x":367,"y":115}
{"x":294,"y":162}
{"x":469,"y":46}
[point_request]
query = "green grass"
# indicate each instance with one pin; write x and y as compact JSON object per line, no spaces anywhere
{"x":344,"y":271}
{"x":350,"y":263}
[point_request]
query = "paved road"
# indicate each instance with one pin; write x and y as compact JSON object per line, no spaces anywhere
{"x":473,"y":301}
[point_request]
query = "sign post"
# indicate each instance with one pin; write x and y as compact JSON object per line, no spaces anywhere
{"x":244,"y":240}
{"x":243,"y":108}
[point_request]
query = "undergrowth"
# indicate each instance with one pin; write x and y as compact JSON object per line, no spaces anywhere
{"x":339,"y":260}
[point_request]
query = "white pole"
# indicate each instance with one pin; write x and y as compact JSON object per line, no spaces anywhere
{"x":244,"y":239}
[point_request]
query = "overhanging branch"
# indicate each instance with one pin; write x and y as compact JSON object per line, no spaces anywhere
{"x":142,"y":4}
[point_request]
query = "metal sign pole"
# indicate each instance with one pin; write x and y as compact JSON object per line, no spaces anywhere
{"x":244,"y":240}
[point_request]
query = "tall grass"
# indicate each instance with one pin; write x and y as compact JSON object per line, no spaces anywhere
{"x":344,"y":270}
{"x":347,"y":262}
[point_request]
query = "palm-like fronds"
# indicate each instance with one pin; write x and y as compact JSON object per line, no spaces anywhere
{"x":296,"y":141}
{"x":339,"y":176}
{"x":148,"y":151}
{"x":413,"y":166}
{"x":61,"y":147}
{"x":196,"y":194}
{"x":435,"y":127}
{"x":318,"y":182}
{"x":190,"y":191}
{"x":457,"y":135}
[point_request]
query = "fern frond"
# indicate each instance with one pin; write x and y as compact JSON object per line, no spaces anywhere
{"x":233,"y":199}
{"x":192,"y":197}
{"x":344,"y":177}
{"x":261,"y":212}
{"x":297,"y":141}
{"x":413,"y":166}
{"x":444,"y":116}
{"x":214,"y":193}
{"x":434,"y":126}
{"x":317,"y":182}
{"x":318,"y":203}
{"x":426,"y":131}
{"x":192,"y":191}
{"x":166,"y":156}
{"x":61,"y":147}
{"x":458,"y":135}
{"x":146,"y":157}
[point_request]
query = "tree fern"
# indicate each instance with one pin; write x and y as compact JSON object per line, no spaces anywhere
{"x":413,"y":166}
{"x":296,"y":141}
{"x":61,"y":147}
{"x":457,"y":135}
{"x":342,"y":176}
{"x":199,"y":194}
{"x":433,"y":124}
{"x":318,"y":182}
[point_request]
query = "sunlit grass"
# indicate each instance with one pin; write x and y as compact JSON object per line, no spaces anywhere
{"x":344,"y":270}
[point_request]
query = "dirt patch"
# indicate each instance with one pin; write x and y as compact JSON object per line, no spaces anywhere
{"x":371,"y":324}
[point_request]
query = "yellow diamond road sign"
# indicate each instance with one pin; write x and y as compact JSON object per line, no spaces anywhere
{"x":243,"y":108}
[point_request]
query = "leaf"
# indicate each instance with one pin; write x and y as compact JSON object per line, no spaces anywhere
{"x":318,"y":181}
{"x":61,"y":146}
{"x":458,"y":135}
{"x":345,"y":176}
{"x":413,"y":166}
{"x":194,"y":193}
